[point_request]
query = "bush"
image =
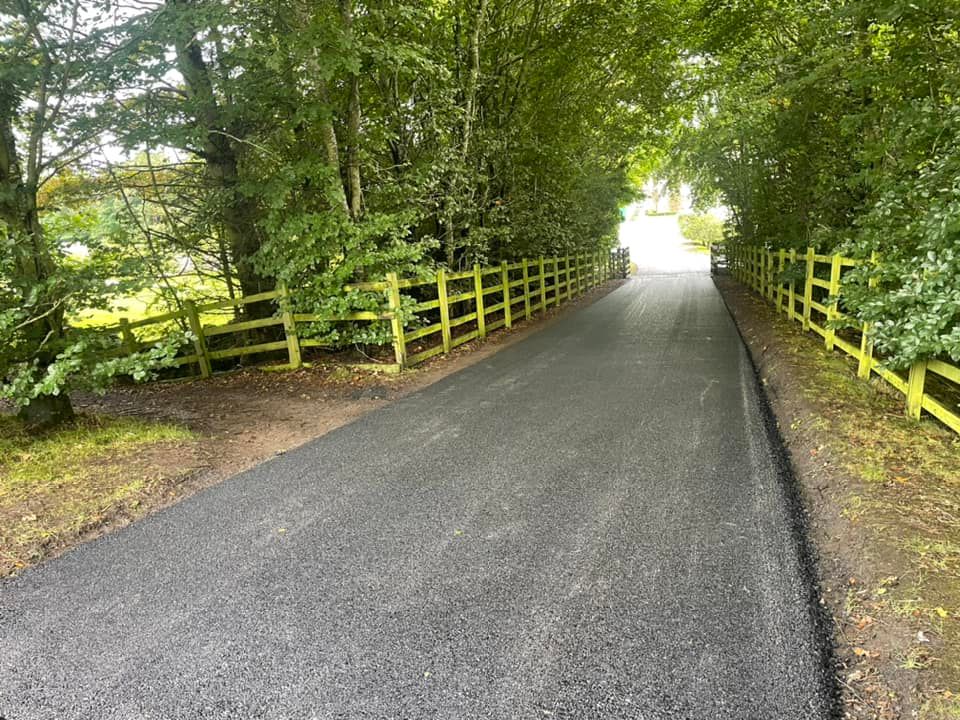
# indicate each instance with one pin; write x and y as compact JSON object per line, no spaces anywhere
{"x":702,"y":230}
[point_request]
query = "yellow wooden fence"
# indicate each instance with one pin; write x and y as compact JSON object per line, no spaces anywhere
{"x":486,"y":298}
{"x":816,"y":304}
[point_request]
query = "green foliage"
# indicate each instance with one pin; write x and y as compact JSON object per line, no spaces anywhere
{"x":838,"y":125}
{"x":73,"y":358}
{"x":702,"y":230}
{"x":322,"y":143}
{"x":315,"y":144}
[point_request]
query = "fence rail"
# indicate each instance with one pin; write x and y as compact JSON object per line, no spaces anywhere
{"x":930,"y":385}
{"x":448,"y":310}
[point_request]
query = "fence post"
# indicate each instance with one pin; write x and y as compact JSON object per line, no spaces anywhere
{"x":781,"y":264}
{"x":396,"y":321}
{"x":772,"y":276}
{"x":128,"y":339}
{"x":444,"y":309}
{"x":767,"y":274}
{"x":915,"y":383}
{"x":865,"y":366}
{"x":833,"y":309}
{"x":760,"y":270}
{"x":556,"y":281}
{"x":808,"y":289}
{"x":566,"y":277}
{"x":792,"y":291}
{"x":759,"y":278}
{"x":866,"y":344}
{"x":481,"y":313}
{"x":768,"y":278}
{"x":526,"y":289}
{"x":199,"y":341}
{"x":543,"y":287}
{"x":505,"y":282}
{"x":764,"y":271}
{"x":290,"y":328}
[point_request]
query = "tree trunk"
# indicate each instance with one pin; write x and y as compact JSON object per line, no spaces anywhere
{"x":473,"y":76}
{"x":46,"y":412}
{"x":239,"y":214}
{"x":34,"y":264}
{"x":331,"y":148}
{"x":305,"y":14}
{"x":354,"y":191}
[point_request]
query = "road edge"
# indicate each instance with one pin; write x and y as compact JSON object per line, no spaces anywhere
{"x":807,"y":552}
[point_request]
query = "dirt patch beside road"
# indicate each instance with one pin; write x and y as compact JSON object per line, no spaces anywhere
{"x":883,"y":494}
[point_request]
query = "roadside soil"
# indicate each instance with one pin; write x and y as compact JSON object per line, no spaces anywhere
{"x":236,"y":421}
{"x":883,"y":498}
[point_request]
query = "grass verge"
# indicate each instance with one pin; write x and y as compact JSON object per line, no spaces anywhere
{"x":884,"y":494}
{"x":908,"y":501}
{"x":59,"y":486}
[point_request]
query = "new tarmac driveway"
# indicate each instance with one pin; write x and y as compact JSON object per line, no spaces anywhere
{"x":591,"y":523}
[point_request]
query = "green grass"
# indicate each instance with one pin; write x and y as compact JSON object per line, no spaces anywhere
{"x":150,"y":302}
{"x":59,"y":485}
{"x":909,"y":498}
{"x":132,"y":308}
{"x":946,"y":707}
{"x":696,"y":248}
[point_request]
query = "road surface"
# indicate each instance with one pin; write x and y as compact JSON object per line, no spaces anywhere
{"x":589,"y":524}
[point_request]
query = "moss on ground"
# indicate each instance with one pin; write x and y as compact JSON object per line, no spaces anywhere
{"x":58,"y":486}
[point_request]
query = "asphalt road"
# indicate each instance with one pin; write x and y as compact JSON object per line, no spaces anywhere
{"x":590,"y":524}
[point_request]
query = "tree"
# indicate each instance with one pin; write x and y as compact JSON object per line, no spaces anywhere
{"x":51,"y":68}
{"x":313,"y":143}
{"x":835,"y":125}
